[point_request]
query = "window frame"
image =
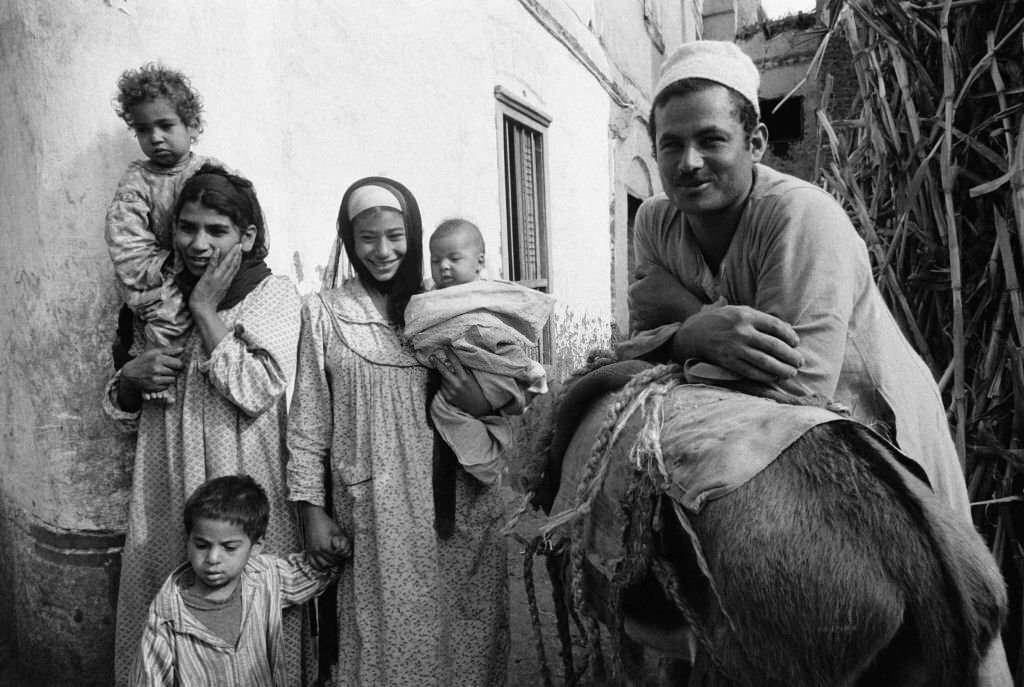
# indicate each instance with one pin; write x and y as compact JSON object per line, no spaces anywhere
{"x":512,"y":108}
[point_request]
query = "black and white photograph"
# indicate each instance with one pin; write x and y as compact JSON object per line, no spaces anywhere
{"x":512,"y":343}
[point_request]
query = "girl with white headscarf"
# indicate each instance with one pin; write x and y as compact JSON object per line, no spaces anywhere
{"x":413,"y":608}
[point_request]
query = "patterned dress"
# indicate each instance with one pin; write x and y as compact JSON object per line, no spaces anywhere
{"x":228,"y":418}
{"x":412,"y":609}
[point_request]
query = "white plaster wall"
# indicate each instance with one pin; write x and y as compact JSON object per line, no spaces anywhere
{"x":304,"y":98}
{"x":623,"y":33}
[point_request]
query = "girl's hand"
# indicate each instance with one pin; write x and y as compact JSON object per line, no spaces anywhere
{"x":326,"y":542}
{"x":459,"y":387}
{"x":153,"y":370}
{"x":213,"y":285}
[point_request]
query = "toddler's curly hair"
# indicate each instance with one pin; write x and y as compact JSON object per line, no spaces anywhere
{"x":154,"y":80}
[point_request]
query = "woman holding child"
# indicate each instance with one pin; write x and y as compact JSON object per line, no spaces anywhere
{"x":229,"y":378}
{"x":414,"y":608}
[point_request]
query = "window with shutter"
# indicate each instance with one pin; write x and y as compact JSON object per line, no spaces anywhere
{"x":524,"y":192}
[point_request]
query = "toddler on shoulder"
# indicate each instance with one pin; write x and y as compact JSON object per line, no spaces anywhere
{"x":165,"y":114}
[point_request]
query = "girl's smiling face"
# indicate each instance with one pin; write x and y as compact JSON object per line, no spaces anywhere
{"x":379,"y":242}
{"x":202,"y":233}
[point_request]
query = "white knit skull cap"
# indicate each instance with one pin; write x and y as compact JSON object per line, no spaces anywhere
{"x":719,"y":61}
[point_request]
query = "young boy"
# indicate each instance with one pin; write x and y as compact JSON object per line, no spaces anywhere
{"x":164,"y":113}
{"x":489,"y":324}
{"x":217,"y":618}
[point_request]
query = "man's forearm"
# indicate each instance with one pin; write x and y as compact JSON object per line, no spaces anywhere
{"x":685,"y":304}
{"x":659,"y":299}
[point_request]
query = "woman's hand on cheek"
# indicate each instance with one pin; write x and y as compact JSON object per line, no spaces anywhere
{"x":213,"y":285}
{"x":459,"y":387}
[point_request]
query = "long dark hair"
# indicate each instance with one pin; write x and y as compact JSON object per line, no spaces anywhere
{"x":408,"y":280}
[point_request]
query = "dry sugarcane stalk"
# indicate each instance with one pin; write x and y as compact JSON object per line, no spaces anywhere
{"x":933,"y":174}
{"x":823,"y":103}
{"x":956,"y":279}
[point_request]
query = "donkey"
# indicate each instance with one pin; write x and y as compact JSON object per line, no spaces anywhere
{"x":833,"y":566}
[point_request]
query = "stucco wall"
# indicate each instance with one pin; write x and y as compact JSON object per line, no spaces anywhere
{"x":304,"y":100}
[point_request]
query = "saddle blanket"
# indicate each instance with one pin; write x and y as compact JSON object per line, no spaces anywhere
{"x":713,"y":440}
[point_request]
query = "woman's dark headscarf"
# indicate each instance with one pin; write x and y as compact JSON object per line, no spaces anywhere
{"x":408,"y":280}
{"x":233,"y":196}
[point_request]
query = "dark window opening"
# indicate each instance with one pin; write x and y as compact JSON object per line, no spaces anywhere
{"x":787,"y":123}
{"x":632,"y":205}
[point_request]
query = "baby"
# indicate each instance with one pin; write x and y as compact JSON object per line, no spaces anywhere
{"x":217,"y":618}
{"x":490,"y":325}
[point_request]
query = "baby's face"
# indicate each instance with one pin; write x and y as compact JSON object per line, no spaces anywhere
{"x":454,"y":259}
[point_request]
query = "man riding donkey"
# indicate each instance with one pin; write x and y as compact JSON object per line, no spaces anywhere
{"x":760,"y":276}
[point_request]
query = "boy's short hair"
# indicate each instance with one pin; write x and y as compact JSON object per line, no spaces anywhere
{"x":238,"y":499}
{"x":151,"y":81}
{"x":455,"y":225}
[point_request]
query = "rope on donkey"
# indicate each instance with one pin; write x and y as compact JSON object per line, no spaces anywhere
{"x":555,"y":563}
{"x":655,"y":382}
{"x":638,"y":509}
{"x":533,"y":470}
{"x":531,"y":601}
{"x":644,"y":390}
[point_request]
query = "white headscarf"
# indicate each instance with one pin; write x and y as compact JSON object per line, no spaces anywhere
{"x":339,"y":268}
